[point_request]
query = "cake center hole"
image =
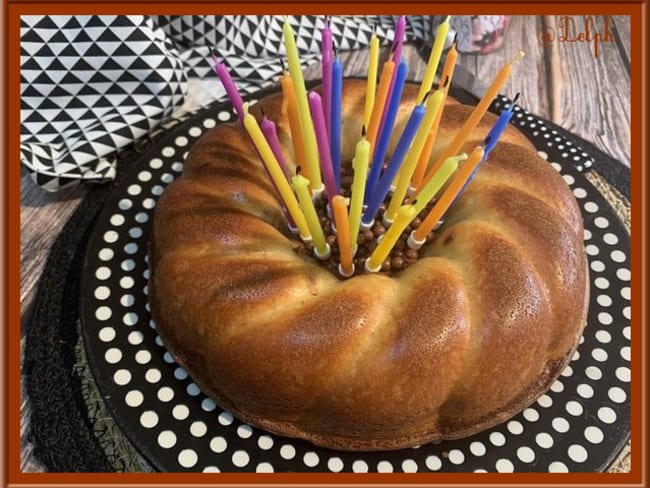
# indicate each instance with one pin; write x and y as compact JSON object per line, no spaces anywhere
{"x":400,"y":257}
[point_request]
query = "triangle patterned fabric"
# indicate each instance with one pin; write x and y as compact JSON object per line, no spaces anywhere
{"x":92,"y":85}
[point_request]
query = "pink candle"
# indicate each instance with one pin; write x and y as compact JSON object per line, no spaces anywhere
{"x":271,"y":134}
{"x":400,"y":30}
{"x":316,"y":107}
{"x":326,"y":62}
{"x":229,"y":85}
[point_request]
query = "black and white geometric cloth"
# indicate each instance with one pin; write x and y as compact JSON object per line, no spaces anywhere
{"x":92,"y":85}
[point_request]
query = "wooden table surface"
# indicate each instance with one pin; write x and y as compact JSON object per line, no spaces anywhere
{"x":563,"y":82}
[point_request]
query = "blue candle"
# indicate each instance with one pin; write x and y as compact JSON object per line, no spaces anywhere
{"x":499,"y":126}
{"x":490,"y":142}
{"x":396,"y":159}
{"x":386,"y":131}
{"x":335,"y":120}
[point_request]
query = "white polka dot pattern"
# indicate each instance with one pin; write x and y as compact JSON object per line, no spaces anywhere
{"x":567,"y":429}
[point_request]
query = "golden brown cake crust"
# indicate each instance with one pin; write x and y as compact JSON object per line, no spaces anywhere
{"x":465,"y":338}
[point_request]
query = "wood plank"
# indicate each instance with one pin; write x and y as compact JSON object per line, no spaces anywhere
{"x":528,"y":76}
{"x":622,"y":36}
{"x":595,"y":101}
{"x":42,"y":216}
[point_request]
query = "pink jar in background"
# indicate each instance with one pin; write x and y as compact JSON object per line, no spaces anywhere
{"x":480,"y":34}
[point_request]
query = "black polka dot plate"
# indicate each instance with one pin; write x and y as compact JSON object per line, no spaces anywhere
{"x":579,"y":425}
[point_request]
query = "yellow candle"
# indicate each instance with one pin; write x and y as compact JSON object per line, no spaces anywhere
{"x":372,"y":79}
{"x":276,"y":173}
{"x":294,"y":122}
{"x":420,"y":234}
{"x":360,"y":167}
{"x":404,"y":216}
{"x":380,"y":101}
{"x":306,"y":123}
{"x":472,"y":121}
{"x":434,"y":59}
{"x":408,"y":166}
{"x":340,"y":211}
{"x":437,"y":182}
{"x":301,"y":186}
{"x":445,"y":80}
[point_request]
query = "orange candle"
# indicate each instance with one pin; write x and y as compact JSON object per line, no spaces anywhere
{"x":472,"y":121}
{"x":294,"y":122}
{"x":380,"y":101}
{"x":418,"y":236}
{"x":445,"y":81}
{"x":340,"y":211}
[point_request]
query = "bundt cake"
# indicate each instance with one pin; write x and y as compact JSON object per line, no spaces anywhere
{"x":468,"y":335}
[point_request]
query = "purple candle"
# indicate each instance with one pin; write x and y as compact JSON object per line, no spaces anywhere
{"x":398,"y":41}
{"x":316,"y":107}
{"x":271,"y":134}
{"x":229,"y":85}
{"x":383,"y":186}
{"x":326,"y":62}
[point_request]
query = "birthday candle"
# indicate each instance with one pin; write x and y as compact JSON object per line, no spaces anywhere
{"x":472,"y":121}
{"x":271,"y":134}
{"x":398,"y":41}
{"x":335,"y":120}
{"x":383,"y":186}
{"x":339,"y":210}
{"x":326,"y":63}
{"x":371,"y":86}
{"x":360,"y":167}
{"x":406,"y":170}
{"x":491,"y":141}
{"x":306,"y":124}
{"x":437,"y":182}
{"x":499,"y":127}
{"x":445,"y":79}
{"x":294,"y":122}
{"x":404,"y":216}
{"x":301,"y":186}
{"x":229,"y":85}
{"x":387,"y":130}
{"x":380,"y":101}
{"x":434,"y":59}
{"x":316,"y":107}
{"x":419,"y":235}
{"x":262,"y":146}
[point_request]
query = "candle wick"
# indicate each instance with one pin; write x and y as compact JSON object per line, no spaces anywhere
{"x":514,"y":100}
{"x":455,"y":39}
{"x":363,"y":131}
{"x":518,"y":57}
{"x":263,"y":114}
{"x":426,"y":96}
{"x":327,"y":22}
{"x":284,"y":66}
{"x":298,"y":170}
{"x":487,"y":141}
{"x":334,"y":48}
